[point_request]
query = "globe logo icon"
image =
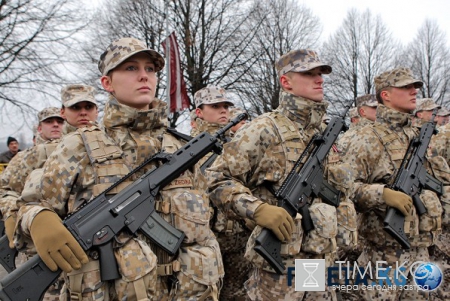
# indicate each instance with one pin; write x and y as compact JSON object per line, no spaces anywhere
{"x":428,"y":276}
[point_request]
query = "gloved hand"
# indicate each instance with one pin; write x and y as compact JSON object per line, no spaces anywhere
{"x":10,"y":225}
{"x":398,"y":200}
{"x":54,"y":243}
{"x":276,"y":219}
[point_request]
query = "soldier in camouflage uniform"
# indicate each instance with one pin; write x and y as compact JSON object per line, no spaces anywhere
{"x":234,"y":112}
{"x":440,"y":252}
{"x":212,"y":114}
{"x":376,"y":152}
{"x":366,"y":107}
{"x":257,"y":161}
{"x":137,"y":121}
{"x":49,"y":131}
{"x":442,"y":117}
{"x":354,"y":116}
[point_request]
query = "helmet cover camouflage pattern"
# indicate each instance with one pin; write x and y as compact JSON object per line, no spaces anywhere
{"x":73,"y":94}
{"x":443,"y":112}
{"x":210,"y":95}
{"x":235,"y":111}
{"x":397,"y":78}
{"x":426,"y":104}
{"x":369,"y":100}
{"x":120,"y":50}
{"x":353,"y":112}
{"x":49,"y":113}
{"x":301,"y":60}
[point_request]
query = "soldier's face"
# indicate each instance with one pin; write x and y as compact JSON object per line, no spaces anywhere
{"x":369,"y":112}
{"x":215,"y":113}
{"x":402,"y":99}
{"x":51,"y":128}
{"x":304,"y":84}
{"x":133,"y":83}
{"x":81,"y":114}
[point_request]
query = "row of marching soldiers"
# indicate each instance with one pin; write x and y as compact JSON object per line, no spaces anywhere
{"x":223,"y":209}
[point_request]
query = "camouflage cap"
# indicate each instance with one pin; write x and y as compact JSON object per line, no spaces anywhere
{"x":398,"y":77}
{"x":49,"y":113}
{"x":426,"y":104}
{"x":353,"y":113}
{"x":73,"y":94}
{"x":210,"y":95}
{"x":369,"y":100}
{"x":120,"y":50}
{"x":443,"y":112}
{"x":301,"y":60}
{"x":235,"y":111}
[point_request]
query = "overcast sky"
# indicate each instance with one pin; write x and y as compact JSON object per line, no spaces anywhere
{"x":402,"y":17}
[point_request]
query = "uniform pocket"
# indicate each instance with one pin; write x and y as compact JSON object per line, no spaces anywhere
{"x":432,"y":219}
{"x":322,"y":239}
{"x":347,"y":231}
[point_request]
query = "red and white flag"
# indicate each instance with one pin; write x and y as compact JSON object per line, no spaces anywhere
{"x":179,"y":99}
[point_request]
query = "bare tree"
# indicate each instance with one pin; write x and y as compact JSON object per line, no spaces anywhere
{"x":276,"y":27}
{"x":429,"y":58}
{"x":359,"y":50}
{"x":35,"y":37}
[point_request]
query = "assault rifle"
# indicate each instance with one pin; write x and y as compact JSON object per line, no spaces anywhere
{"x":96,"y":224}
{"x":298,"y":187}
{"x":411,"y":178}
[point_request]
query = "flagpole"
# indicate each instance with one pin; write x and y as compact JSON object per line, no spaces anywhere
{"x":167,"y":55}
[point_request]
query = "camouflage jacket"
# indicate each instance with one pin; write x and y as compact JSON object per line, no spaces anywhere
{"x":69,"y":176}
{"x":375,"y":152}
{"x":183,"y":202}
{"x":342,"y":142}
{"x":257,"y":157}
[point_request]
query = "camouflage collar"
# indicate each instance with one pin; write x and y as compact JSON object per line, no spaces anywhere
{"x":205,"y":126}
{"x":363,"y":121}
{"x":68,"y":128}
{"x":117,"y":115}
{"x":394,"y":119}
{"x":39,"y":139}
{"x":306,"y":112}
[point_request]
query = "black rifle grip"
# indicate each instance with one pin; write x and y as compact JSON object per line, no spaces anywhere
{"x":269,"y":247}
{"x":108,"y":264}
{"x":7,"y":255}
{"x":28,"y":283}
{"x":420,"y":207}
{"x":307,"y":223}
{"x":394,"y":224}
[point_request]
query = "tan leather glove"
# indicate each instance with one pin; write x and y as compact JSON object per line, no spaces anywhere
{"x":276,"y":219}
{"x":398,"y":200}
{"x":54,"y":243}
{"x":10,"y":226}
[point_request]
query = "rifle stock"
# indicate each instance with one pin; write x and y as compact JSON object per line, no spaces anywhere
{"x":298,"y":187}
{"x":96,"y":223}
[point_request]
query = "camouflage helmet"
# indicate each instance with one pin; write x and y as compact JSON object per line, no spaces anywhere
{"x":426,"y":104}
{"x":210,"y":95}
{"x":398,"y":77}
{"x":369,"y":100}
{"x":49,"y":113}
{"x":301,"y":60}
{"x":353,"y":113}
{"x":120,"y":50}
{"x":235,"y":111}
{"x":73,"y":94}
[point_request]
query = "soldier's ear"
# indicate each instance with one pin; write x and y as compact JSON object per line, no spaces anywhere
{"x":106,"y":83}
{"x":285,"y":82}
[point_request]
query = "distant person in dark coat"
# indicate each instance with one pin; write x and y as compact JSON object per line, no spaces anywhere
{"x":13,"y":149}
